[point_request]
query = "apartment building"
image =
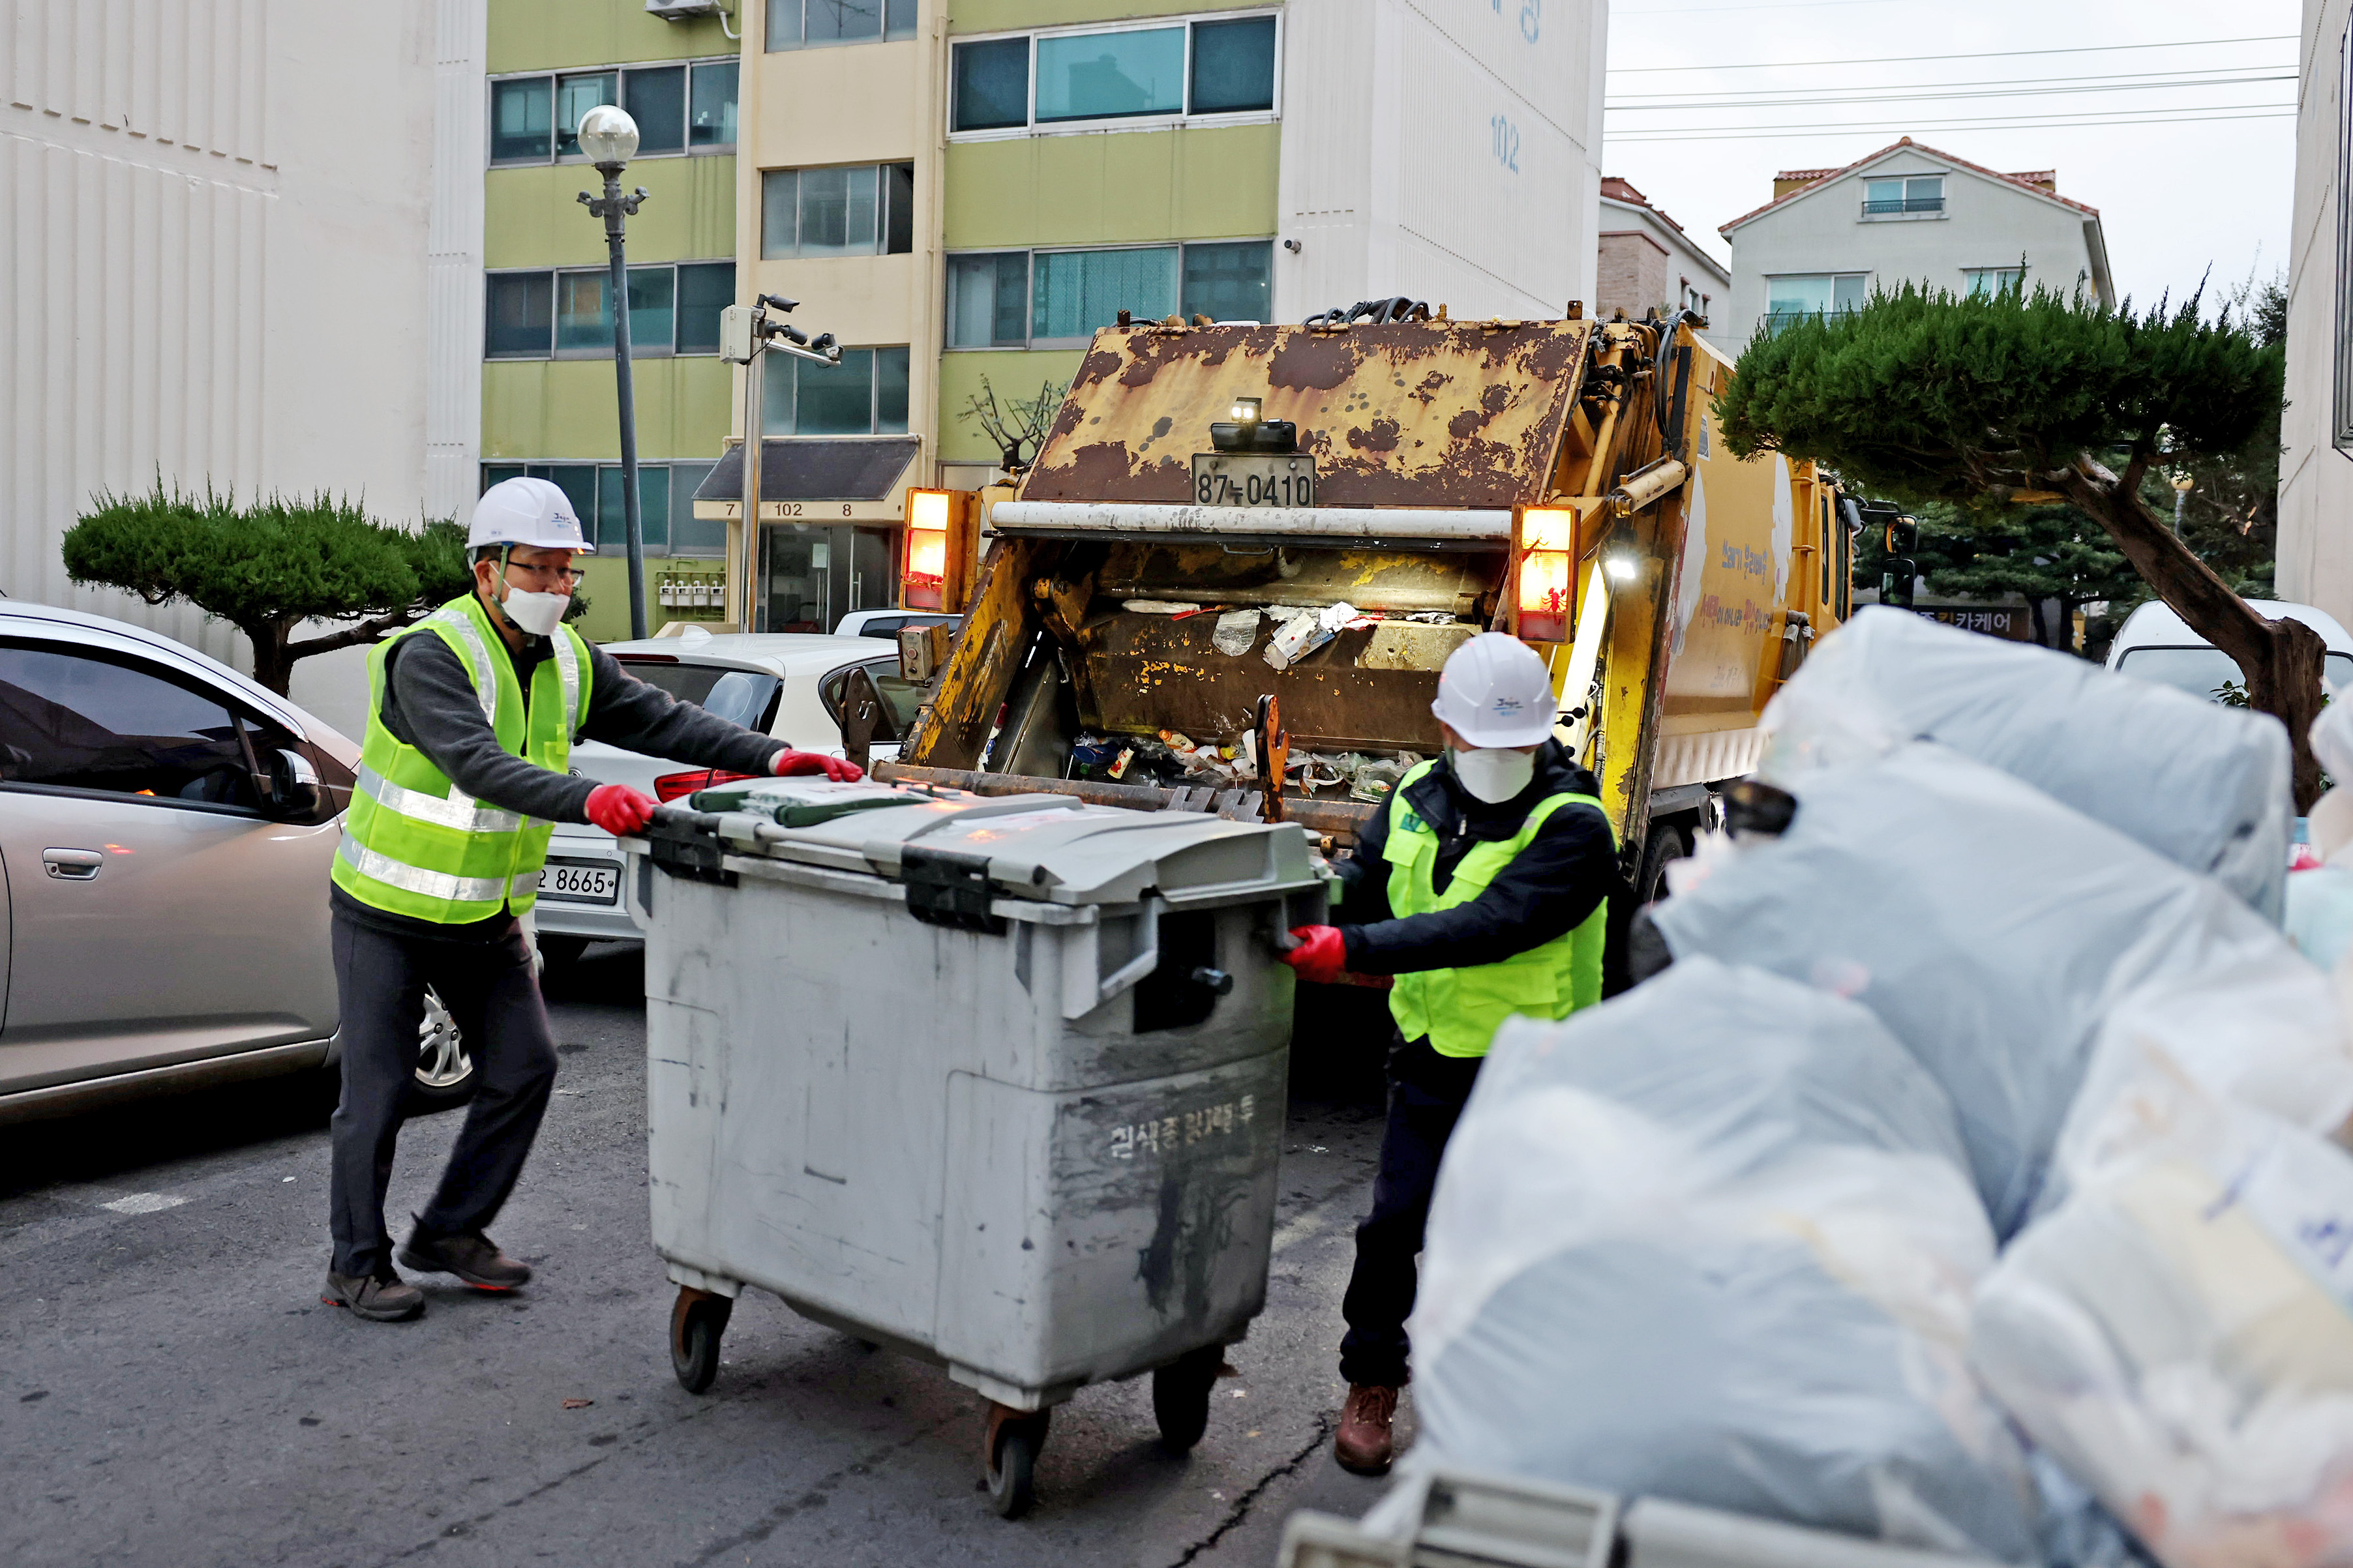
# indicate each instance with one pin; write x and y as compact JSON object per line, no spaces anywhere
{"x":1648,"y":263}
{"x":548,"y":401}
{"x":1830,"y":236}
{"x":2316,"y":492}
{"x":963,"y":191}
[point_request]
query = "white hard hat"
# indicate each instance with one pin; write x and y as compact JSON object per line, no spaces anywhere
{"x":526,"y":511}
{"x":1496,"y":691}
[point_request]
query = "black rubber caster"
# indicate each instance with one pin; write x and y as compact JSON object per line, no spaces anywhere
{"x":1014,"y":1438}
{"x":1180,"y":1396}
{"x":696,"y":1325}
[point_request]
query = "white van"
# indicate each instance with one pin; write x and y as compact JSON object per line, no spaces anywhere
{"x":2157,"y":645}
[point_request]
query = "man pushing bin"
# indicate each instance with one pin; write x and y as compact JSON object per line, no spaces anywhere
{"x":1482,"y":888}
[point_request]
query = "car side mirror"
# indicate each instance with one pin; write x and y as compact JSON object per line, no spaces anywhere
{"x":294,"y":793}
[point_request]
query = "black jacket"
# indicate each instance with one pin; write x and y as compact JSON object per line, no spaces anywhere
{"x":1549,"y":889}
{"x":430,"y":703}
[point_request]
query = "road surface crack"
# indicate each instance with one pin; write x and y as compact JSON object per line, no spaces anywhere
{"x":1242,"y":1504}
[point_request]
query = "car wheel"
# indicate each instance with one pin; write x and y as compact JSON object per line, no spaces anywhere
{"x":560,"y":952}
{"x":445,"y":1071}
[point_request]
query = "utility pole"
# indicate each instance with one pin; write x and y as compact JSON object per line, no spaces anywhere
{"x":747,"y":334}
{"x":609,"y":137}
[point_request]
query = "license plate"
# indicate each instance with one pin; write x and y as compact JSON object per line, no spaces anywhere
{"x":1244,"y":479}
{"x":580,"y":884}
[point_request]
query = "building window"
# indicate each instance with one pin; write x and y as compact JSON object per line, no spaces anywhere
{"x":865,"y":395}
{"x":680,"y":107}
{"x":1989,"y":280}
{"x":869,"y":210}
{"x":818,"y":24}
{"x":542,"y":314}
{"x":1913,"y":193}
{"x":1167,"y":71}
{"x":1798,"y":295}
{"x":665,"y":503}
{"x":1059,"y":299}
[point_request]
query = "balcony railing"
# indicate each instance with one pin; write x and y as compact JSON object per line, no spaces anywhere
{"x":1907,"y":205}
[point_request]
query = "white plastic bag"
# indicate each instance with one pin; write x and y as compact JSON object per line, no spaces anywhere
{"x":2205,"y":786}
{"x":1989,"y":928}
{"x":2177,"y":1332}
{"x":1715,"y":1241}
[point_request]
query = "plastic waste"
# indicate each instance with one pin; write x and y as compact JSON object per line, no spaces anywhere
{"x":2205,"y":786}
{"x":1236,"y":630}
{"x":1715,"y":1241}
{"x":1991,"y":928}
{"x":2178,"y":1333}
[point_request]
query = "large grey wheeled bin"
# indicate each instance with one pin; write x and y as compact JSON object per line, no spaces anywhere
{"x":997,"y":1082}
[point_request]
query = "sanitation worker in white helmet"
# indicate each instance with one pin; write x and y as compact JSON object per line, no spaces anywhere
{"x":1482,"y":888}
{"x":464,"y":767}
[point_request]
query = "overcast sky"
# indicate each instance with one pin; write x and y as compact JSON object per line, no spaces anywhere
{"x":2174,"y":199}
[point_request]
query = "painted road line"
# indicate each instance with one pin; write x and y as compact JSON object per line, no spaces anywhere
{"x":144,"y":1203}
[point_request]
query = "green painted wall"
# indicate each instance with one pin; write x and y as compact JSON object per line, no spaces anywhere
{"x":1012,"y":373}
{"x":1137,"y":185}
{"x":533,"y":216}
{"x":555,"y":35}
{"x":562,"y":410}
{"x":1004,"y":15}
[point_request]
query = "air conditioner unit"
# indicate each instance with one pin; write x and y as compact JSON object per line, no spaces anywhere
{"x":680,"y":10}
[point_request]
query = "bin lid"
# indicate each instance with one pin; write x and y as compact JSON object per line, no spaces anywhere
{"x":1055,"y":849}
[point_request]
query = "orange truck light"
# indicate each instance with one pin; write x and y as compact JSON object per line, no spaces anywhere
{"x":931,"y":515}
{"x":1548,"y":558}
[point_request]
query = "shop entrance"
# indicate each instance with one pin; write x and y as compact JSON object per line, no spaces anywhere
{"x":814,"y":574}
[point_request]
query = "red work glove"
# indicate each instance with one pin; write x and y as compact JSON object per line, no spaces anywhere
{"x":620,"y":810}
{"x":1321,"y":956}
{"x":840,"y":770}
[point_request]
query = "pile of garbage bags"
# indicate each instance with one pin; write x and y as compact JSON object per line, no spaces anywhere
{"x":1976,"y":1156}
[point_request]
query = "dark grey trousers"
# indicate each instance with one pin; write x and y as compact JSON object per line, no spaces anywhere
{"x":493,"y":997}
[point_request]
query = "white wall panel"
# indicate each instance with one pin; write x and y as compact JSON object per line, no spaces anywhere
{"x":214,"y":248}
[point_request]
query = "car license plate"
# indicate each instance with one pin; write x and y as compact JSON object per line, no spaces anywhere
{"x":1248,"y":478}
{"x":576,"y":882}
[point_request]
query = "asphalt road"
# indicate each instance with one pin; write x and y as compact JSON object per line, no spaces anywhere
{"x":172,"y":1391}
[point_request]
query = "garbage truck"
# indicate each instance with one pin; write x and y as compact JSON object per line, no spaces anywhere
{"x":1230,"y":579}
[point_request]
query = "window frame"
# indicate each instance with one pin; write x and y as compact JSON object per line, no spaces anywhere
{"x":619,"y":71}
{"x":1775,"y":320}
{"x":1906,"y":205}
{"x":2013,"y":275}
{"x":491,"y":470}
{"x":913,"y":35}
{"x":1183,"y":117}
{"x":637,"y":350}
{"x":883,"y":210}
{"x":873,"y":398}
{"x":1029,"y":341}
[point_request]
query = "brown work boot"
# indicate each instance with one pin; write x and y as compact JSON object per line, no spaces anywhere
{"x":1363,"y":1443}
{"x":386,"y":1300}
{"x":471,"y":1257}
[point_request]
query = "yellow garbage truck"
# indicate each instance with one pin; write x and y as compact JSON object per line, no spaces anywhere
{"x":1230,"y":579}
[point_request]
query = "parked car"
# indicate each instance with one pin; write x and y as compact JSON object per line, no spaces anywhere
{"x":166,"y":828}
{"x":2157,"y":645}
{"x":790,"y":685}
{"x":889,"y":623}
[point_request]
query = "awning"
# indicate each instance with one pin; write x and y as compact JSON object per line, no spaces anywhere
{"x":815,"y":479}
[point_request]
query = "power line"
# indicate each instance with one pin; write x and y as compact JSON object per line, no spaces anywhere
{"x":2053,"y":117}
{"x":1937,"y":96}
{"x":1775,"y":5}
{"x":1772,"y":132}
{"x":1987,"y":55}
{"x":2203,"y":77}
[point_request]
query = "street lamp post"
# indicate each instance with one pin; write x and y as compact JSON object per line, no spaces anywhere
{"x":609,"y":137}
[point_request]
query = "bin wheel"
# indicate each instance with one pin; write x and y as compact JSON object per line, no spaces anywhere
{"x":696,"y":1324}
{"x":1180,"y":1396}
{"x":1014,"y":1438}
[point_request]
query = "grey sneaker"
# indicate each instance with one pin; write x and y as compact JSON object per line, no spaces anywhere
{"x":472,"y":1256}
{"x":384,"y":1300}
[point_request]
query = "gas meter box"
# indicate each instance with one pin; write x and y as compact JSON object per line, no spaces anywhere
{"x":996,"y":1083}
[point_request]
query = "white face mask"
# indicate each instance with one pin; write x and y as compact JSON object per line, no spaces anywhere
{"x":1494,"y":773}
{"x":538,"y":614}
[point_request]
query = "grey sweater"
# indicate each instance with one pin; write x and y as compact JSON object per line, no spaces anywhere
{"x":430,"y":703}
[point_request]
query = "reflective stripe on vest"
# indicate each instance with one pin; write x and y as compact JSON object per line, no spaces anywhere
{"x":415,"y":843}
{"x":1460,"y":1009}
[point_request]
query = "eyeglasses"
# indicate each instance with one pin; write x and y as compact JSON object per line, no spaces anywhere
{"x":567,"y":576}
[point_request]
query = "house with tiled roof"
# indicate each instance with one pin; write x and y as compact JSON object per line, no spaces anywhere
{"x":1649,"y":263}
{"x":1906,"y":213}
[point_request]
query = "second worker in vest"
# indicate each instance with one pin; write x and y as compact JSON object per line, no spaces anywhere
{"x":1482,"y":889}
{"x":463,"y":772}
